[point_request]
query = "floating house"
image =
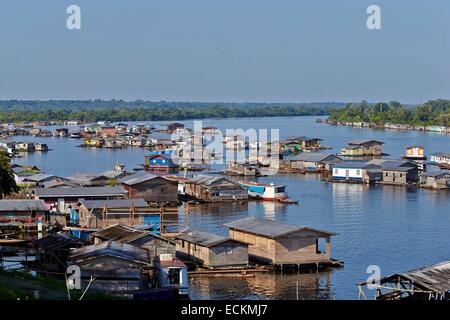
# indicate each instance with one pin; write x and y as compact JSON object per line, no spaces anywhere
{"x":360,"y":148}
{"x":89,"y":180}
{"x":152,"y":188}
{"x":282,"y":244}
{"x":92,"y":142}
{"x":154,"y":243}
{"x":159,"y":162}
{"x":427,"y":283}
{"x":242,"y":169}
{"x":439,"y":179}
{"x":416,"y":154}
{"x":400,"y":175}
{"x":171,"y":127}
{"x":355,"y":171}
{"x":210,"y":130}
{"x":441,"y":159}
{"x":104,"y":213}
{"x":40,"y":147}
{"x":310,"y":162}
{"x":61,"y":132}
{"x":172,"y":274}
{"x":214,"y":189}
{"x":24,"y":146}
{"x":211,"y":251}
{"x":108,"y":131}
{"x":264,"y":191}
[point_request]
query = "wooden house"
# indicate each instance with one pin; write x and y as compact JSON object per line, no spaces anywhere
{"x":118,"y":268}
{"x":24,"y":146}
{"x":359,"y":148}
{"x":282,"y":244}
{"x":154,"y":243}
{"x":211,"y":250}
{"x":61,"y":132}
{"x":242,"y":169}
{"x":159,"y":162}
{"x":152,"y":188}
{"x":400,"y":175}
{"x":310,"y":162}
{"x":210,"y":130}
{"x":171,"y":127}
{"x":104,"y":213}
{"x":415,"y":153}
{"x":214,"y":189}
{"x":108,"y":131}
{"x":439,"y":179}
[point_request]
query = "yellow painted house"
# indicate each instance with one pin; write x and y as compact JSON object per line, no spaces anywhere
{"x":356,"y":151}
{"x":92,"y":142}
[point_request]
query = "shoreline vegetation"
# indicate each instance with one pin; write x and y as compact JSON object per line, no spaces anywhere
{"x":393,"y":115}
{"x":119,"y":110}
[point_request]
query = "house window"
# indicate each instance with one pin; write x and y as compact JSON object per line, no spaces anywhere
{"x":358,"y":172}
{"x":321,"y":245}
{"x":163,"y":161}
{"x":401,"y":175}
{"x":229,"y":251}
{"x":154,"y":161}
{"x":336,"y":171}
{"x":182,"y":243}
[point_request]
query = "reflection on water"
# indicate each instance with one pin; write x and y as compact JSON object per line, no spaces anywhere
{"x":394,"y":227}
{"x":264,"y":286}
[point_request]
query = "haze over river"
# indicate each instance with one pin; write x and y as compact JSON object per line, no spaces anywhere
{"x":396,"y":228}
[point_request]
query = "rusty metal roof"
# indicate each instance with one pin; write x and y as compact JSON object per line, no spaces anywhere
{"x":435,"y":278}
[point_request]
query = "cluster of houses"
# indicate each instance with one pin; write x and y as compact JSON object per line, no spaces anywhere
{"x":391,"y":126}
{"x":22,"y":146}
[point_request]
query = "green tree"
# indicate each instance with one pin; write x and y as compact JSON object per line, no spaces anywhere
{"x":7,"y":182}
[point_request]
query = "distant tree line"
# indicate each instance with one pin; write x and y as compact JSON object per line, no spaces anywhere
{"x":119,"y":110}
{"x":433,"y":112}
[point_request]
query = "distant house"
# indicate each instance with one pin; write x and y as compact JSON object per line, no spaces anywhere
{"x":242,"y":169}
{"x":151,"y":188}
{"x":355,"y":171}
{"x":279,"y":243}
{"x":40,"y":147}
{"x":358,"y":148}
{"x":157,"y":162}
{"x":22,"y":211}
{"x":174,"y":126}
{"x":415,"y":152}
{"x":24,"y":146}
{"x":40,"y":179}
{"x":104,"y":213}
{"x":62,"y":198}
{"x":214,"y":189}
{"x":211,"y":250}
{"x":118,"y":268}
{"x":61,"y":132}
{"x":312,"y":161}
{"x":92,"y":142}
{"x":210,"y":130}
{"x":439,"y":179}
{"x":441,"y":159}
{"x":108,"y":131}
{"x":306,"y":143}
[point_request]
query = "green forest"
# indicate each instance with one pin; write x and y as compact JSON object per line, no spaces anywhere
{"x":119,"y":110}
{"x":433,"y":112}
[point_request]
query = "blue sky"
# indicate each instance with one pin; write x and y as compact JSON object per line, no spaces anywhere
{"x":233,"y":50}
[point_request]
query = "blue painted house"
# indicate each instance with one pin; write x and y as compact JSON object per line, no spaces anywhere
{"x":159,"y":162}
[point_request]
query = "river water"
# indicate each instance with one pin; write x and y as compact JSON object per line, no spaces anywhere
{"x":395,"y":228}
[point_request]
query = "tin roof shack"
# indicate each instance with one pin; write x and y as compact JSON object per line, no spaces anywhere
{"x":242,"y":169}
{"x":356,"y":172}
{"x":212,"y":251}
{"x":115,"y":268}
{"x":282,"y":244}
{"x":439,"y":179}
{"x":154,"y":243}
{"x":214,"y":189}
{"x":427,"y":283}
{"x":310,"y":162}
{"x":53,"y":250}
{"x":400,"y":175}
{"x":104,"y":213}
{"x":22,"y":211}
{"x":363,"y":148}
{"x":61,"y":198}
{"x":89,"y":179}
{"x":40,"y":179}
{"x":152,"y":188}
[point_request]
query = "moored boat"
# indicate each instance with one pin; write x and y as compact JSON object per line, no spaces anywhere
{"x":270,"y":192}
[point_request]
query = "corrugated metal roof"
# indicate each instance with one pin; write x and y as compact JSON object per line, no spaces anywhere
{"x":114,"y":249}
{"x":22,"y":205}
{"x":80,"y":192}
{"x":115,"y":204}
{"x":208,"y":180}
{"x":435,"y":173}
{"x":268,"y":228}
{"x":312,"y":156}
{"x":116,"y":232}
{"x":435,"y":277}
{"x":202,"y":238}
{"x":137,"y":177}
{"x":40,"y":176}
